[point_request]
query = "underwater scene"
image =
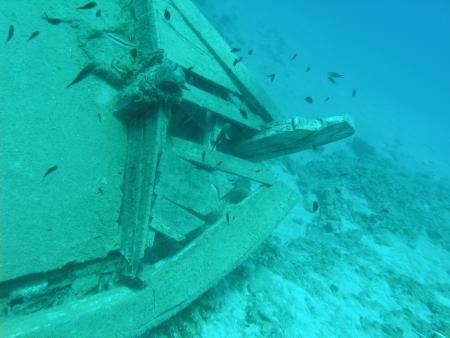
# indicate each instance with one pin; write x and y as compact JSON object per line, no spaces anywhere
{"x":204,"y":168}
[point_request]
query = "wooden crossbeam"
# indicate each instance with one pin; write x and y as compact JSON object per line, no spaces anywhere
{"x":215,"y":160}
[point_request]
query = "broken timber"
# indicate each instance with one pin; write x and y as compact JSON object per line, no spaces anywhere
{"x":293,"y":135}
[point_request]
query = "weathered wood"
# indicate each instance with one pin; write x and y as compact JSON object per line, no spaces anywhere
{"x":172,"y":220}
{"x":183,"y":46}
{"x":183,"y":184}
{"x":225,"y":109}
{"x":217,"y":47}
{"x":215,"y":160}
{"x":146,"y":33}
{"x":146,"y":139}
{"x":172,"y":283}
{"x":293,"y":135}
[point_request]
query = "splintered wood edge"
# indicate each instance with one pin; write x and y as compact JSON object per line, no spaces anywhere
{"x":172,"y":284}
{"x":203,"y":156}
{"x":283,"y":137}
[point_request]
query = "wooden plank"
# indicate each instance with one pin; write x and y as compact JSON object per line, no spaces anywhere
{"x":215,"y":160}
{"x":183,"y":46}
{"x":173,"y":221}
{"x":172,"y":283}
{"x":183,"y":184}
{"x":217,"y":46}
{"x":145,"y":143}
{"x":294,"y":135}
{"x":225,"y":109}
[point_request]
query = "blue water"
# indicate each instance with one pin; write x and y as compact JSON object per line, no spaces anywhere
{"x":395,"y":53}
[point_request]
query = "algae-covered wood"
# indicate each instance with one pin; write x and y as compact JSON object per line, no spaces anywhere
{"x":293,"y":135}
{"x":221,"y":51}
{"x":203,"y":156}
{"x":172,"y":284}
{"x":225,"y":109}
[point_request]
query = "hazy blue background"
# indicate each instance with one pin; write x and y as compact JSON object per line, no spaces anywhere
{"x":395,"y":53}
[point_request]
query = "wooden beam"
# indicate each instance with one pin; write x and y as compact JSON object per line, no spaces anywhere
{"x":215,"y":160}
{"x":224,"y":109}
{"x":146,"y":139}
{"x":183,"y":46}
{"x":293,"y":135}
{"x":217,"y":47}
{"x":172,"y":220}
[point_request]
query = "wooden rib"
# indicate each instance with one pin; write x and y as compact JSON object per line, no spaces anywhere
{"x":193,"y":152}
{"x":225,"y":109}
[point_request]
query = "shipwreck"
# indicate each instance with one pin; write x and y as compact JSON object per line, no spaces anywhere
{"x":118,"y":253}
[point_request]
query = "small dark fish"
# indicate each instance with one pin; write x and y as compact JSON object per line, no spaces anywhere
{"x":190,"y":68}
{"x":257,"y":170}
{"x":100,"y":191}
{"x":203,"y":155}
{"x":272,"y":77}
{"x":84,"y":72}
{"x":167,"y":14}
{"x":133,"y":13}
{"x":386,"y":210}
{"x":250,"y":52}
{"x":49,"y":171}
{"x":10,"y":33}
{"x":99,"y":117}
{"x":334,"y":74}
{"x":89,"y":5}
{"x":228,"y":217}
{"x":243,"y":113}
{"x":333,"y":81}
{"x":315,"y":206}
{"x":236,"y":61}
{"x":52,"y":21}
{"x":219,"y":163}
{"x":309,"y":99}
{"x":327,"y":98}
{"x":308,"y":69}
{"x":354,"y":92}
{"x":221,"y":136}
{"x":98,"y":13}
{"x":33,"y":35}
{"x":235,"y":50}
{"x":134,"y":53}
{"x":294,"y":56}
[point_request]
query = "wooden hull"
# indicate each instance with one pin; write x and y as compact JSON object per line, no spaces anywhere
{"x":171,"y":284}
